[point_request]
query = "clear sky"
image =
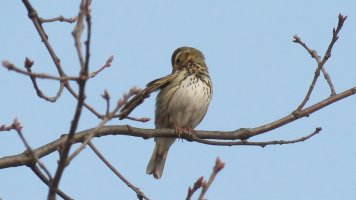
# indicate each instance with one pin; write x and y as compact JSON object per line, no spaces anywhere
{"x":259,"y":75}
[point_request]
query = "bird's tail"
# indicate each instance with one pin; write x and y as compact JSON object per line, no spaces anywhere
{"x":156,"y":164}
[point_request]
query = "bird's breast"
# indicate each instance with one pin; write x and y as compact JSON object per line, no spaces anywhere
{"x":183,"y":103}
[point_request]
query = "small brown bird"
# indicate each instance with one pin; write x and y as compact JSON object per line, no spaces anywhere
{"x":181,"y":104}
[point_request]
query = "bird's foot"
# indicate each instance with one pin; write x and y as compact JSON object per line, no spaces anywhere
{"x":185,"y":132}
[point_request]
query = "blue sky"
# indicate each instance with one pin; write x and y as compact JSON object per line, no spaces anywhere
{"x":259,"y":75}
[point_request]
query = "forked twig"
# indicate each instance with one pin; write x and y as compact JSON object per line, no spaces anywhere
{"x":197,"y":185}
{"x":320,"y":62}
{"x":206,"y":184}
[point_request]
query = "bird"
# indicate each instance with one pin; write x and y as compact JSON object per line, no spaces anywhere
{"x":181,"y":104}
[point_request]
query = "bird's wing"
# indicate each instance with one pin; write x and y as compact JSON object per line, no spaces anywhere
{"x":139,"y":98}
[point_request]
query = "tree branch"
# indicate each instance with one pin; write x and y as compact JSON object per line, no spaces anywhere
{"x":261,"y":144}
{"x":12,"y":67}
{"x":32,"y":14}
{"x":197,"y":185}
{"x":59,"y":18}
{"x":205,"y":185}
{"x":140,"y":195}
{"x":106,"y":65}
{"x":241,"y":134}
{"x":46,"y":181}
{"x":322,"y":62}
{"x":84,"y":68}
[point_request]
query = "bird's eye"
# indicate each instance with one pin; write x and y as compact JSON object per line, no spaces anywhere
{"x":178,"y":60}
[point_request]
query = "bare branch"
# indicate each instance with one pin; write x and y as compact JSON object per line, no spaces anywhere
{"x":107,"y":64}
{"x":84,"y":12}
{"x":89,"y":107}
{"x":335,"y":37}
{"x":205,"y":185}
{"x":328,"y":80}
{"x":46,"y":181}
{"x":64,"y":143}
{"x":321,"y":63}
{"x":140,"y":195}
{"x":261,"y":144}
{"x":5,"y":127}
{"x":59,"y":18}
{"x":107,"y":118}
{"x":42,"y":95}
{"x":241,"y":134}
{"x":106,"y":97}
{"x":32,"y":14}
{"x":17,"y":126}
{"x":143,"y":119}
{"x":198,"y":184}
{"x":12,"y":67}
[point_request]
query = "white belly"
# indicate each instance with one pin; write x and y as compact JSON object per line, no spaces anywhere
{"x":188,"y":105}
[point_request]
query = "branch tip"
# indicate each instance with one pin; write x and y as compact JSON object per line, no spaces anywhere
{"x":28,"y":63}
{"x":219,"y":165}
{"x":106,"y":95}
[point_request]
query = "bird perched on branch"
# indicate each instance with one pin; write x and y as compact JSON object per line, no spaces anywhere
{"x":181,"y":104}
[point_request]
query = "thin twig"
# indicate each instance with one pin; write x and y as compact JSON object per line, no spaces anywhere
{"x":327,"y":55}
{"x":261,"y":144}
{"x":45,"y":97}
{"x":198,"y":184}
{"x":328,"y":80}
{"x":106,"y":97}
{"x":139,"y":193}
{"x":12,"y":67}
{"x":32,"y":14}
{"x":5,"y":127}
{"x":59,"y":18}
{"x":142,"y":119}
{"x":314,"y":55}
{"x":46,"y":181}
{"x":106,"y":65}
{"x":205,"y":185}
{"x":17,"y":126}
{"x":107,"y":118}
{"x":335,"y":37}
{"x":89,"y":107}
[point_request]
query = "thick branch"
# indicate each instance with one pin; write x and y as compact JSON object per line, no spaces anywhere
{"x":241,"y":134}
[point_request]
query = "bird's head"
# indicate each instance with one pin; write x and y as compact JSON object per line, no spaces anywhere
{"x":186,"y":56}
